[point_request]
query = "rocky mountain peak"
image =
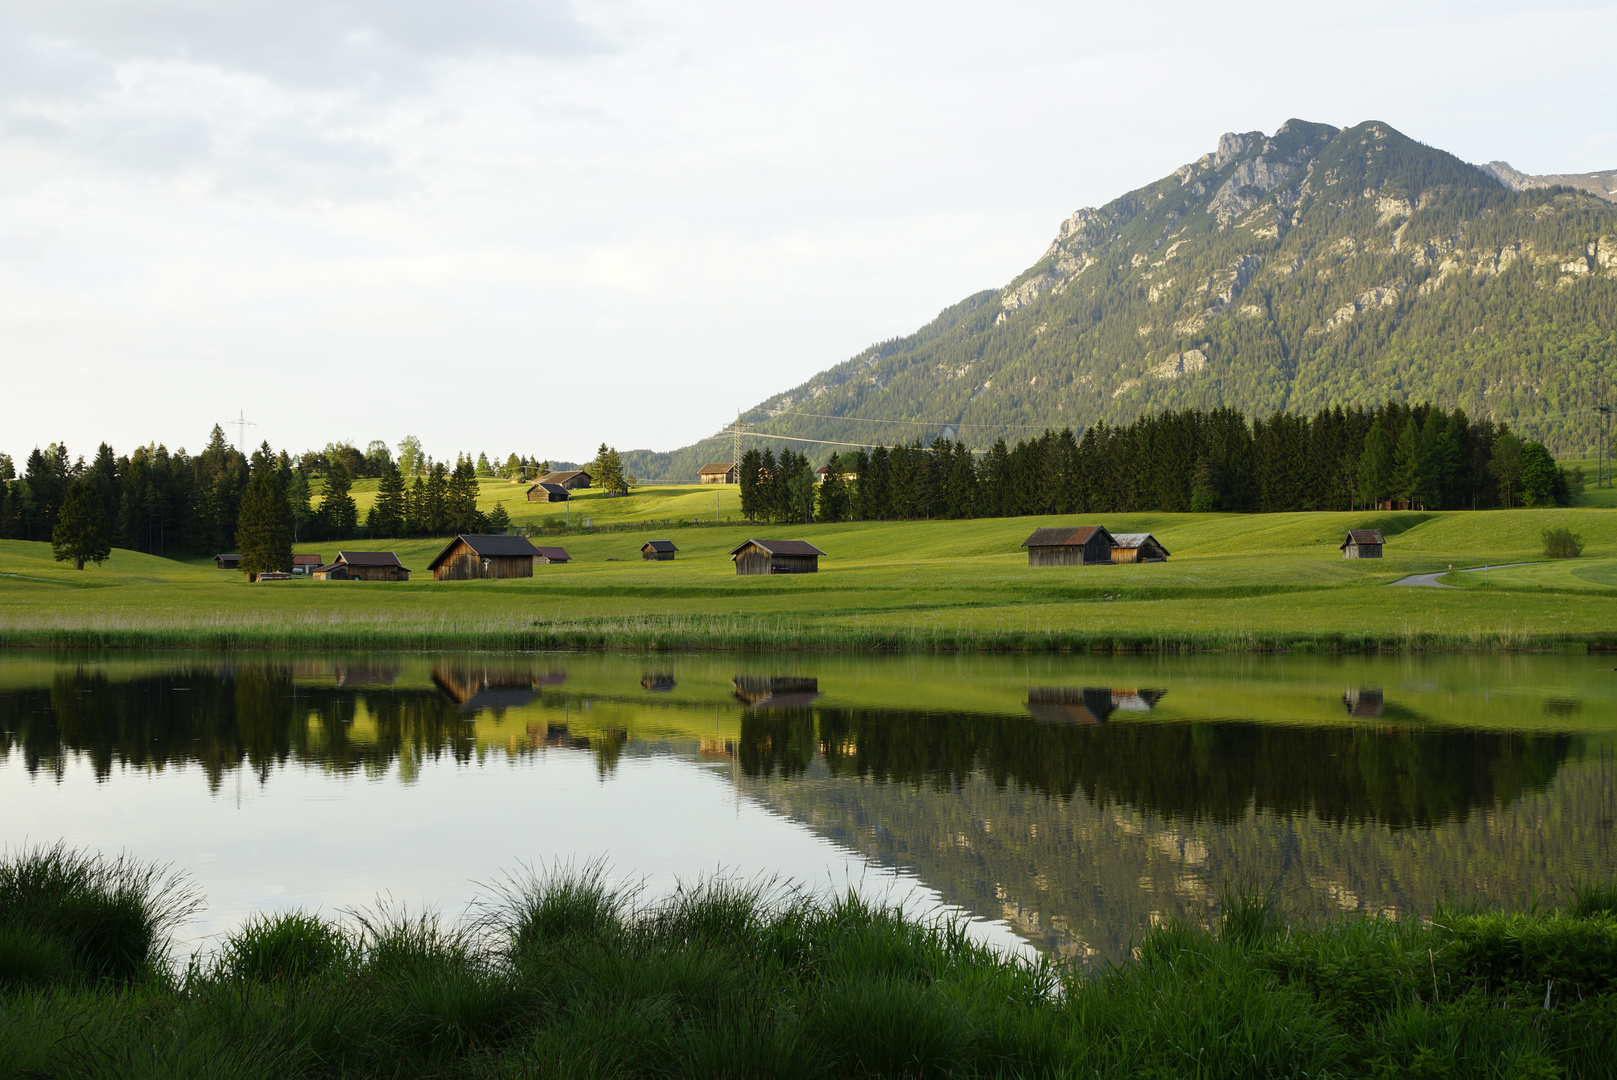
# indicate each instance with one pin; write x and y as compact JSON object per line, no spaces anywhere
{"x":1603,"y":184}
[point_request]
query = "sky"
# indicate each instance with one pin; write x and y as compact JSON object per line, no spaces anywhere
{"x":535,"y":226}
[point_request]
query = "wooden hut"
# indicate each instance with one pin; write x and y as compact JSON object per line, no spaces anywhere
{"x":777,"y":557}
{"x":776,"y":691}
{"x":1081,"y":545}
{"x":571,"y":479}
{"x":362,"y":566}
{"x":227,"y":562}
{"x":1363,"y":544}
{"x":306,"y":564}
{"x":470,"y":557}
{"x":547,"y":493}
{"x":718,"y":472}
{"x":658,"y":551}
{"x":551,"y":555}
{"x":1137,"y":547}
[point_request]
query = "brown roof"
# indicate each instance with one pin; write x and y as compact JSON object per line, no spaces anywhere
{"x":1071,"y":536}
{"x":781,"y":547}
{"x":554,"y":554}
{"x":368,"y":558}
{"x":1363,"y":536}
{"x":488,"y":547}
{"x":716,"y":467}
{"x":307,"y":560}
{"x":563,"y":477}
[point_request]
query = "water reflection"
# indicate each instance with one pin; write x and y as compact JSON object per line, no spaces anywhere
{"x":1074,"y":806}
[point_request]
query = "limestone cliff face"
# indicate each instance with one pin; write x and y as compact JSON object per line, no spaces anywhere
{"x":1312,"y":267}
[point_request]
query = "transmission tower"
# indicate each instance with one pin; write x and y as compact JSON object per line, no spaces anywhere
{"x":241,"y":424}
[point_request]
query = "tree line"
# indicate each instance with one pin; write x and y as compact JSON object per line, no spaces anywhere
{"x":1394,"y":456}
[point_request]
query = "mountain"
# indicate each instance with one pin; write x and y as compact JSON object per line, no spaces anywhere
{"x":1313,"y":267}
{"x":1603,"y":184}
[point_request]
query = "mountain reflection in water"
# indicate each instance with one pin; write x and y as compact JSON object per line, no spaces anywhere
{"x":1077,"y":810}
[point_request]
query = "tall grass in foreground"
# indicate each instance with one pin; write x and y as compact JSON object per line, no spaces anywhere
{"x":562,"y":975}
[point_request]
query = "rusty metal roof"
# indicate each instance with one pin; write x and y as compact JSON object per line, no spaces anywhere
{"x":1136,"y":540}
{"x":781,"y":547}
{"x":1071,"y":536}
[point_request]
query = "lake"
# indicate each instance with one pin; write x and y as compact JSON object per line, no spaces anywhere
{"x":1061,"y":803}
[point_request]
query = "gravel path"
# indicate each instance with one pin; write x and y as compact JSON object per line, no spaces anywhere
{"x":1430,"y":580}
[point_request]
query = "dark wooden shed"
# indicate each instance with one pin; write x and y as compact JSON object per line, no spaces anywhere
{"x":362,"y":566}
{"x":718,"y":472}
{"x":1081,"y":545}
{"x":469,"y":557}
{"x":227,"y":562}
{"x":571,"y":479}
{"x":658,"y":551}
{"x":1137,"y":547}
{"x":547,"y":493}
{"x":777,"y":557}
{"x":1363,"y":544}
{"x":552,"y":554}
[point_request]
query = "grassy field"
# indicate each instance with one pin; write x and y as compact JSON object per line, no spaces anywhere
{"x":560,"y":976}
{"x":1242,"y":582}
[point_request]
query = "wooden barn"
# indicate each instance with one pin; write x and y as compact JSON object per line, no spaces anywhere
{"x":551,"y":555}
{"x":471,"y":557}
{"x":1082,"y":545}
{"x":777,"y":557}
{"x":227,"y":562}
{"x":306,"y":564}
{"x":547,"y":493}
{"x":658,"y":551}
{"x":362,"y":566}
{"x":1363,"y":544}
{"x":718,"y":472}
{"x":571,"y":479}
{"x":1137,"y":547}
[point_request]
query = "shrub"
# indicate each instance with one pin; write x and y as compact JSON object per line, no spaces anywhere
{"x":1562,"y":543}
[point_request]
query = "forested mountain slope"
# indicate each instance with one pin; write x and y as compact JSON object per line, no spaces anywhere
{"x":1291,"y":272}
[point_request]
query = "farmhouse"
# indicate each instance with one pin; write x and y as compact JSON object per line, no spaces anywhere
{"x":1082,"y":545}
{"x":227,"y":562}
{"x":1363,"y":544}
{"x":551,"y":555}
{"x":572,"y":479}
{"x":718,"y":472}
{"x":362,"y":566}
{"x":658,"y":551}
{"x":1137,"y":547}
{"x":306,"y":564}
{"x":777,"y":557}
{"x":547,"y":493}
{"x":469,"y":557}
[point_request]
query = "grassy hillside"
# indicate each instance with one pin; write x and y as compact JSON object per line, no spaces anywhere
{"x":1305,"y":269}
{"x":1235,"y":581}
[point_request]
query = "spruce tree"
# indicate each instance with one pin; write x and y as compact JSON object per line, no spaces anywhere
{"x":80,"y":533}
{"x":1505,"y":466}
{"x":1376,"y":466}
{"x":832,"y":498}
{"x":387,"y":515}
{"x":460,"y":502}
{"x":264,"y":525}
{"x":435,"y":501}
{"x":747,"y":474}
{"x":338,"y":514}
{"x":499,"y":522}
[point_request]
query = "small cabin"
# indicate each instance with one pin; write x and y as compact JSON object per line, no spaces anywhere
{"x":1363,"y":544}
{"x":718,"y":472}
{"x":1137,"y":547}
{"x":551,"y":555}
{"x":227,"y":562}
{"x":571,"y":479}
{"x":776,"y":557}
{"x":658,"y":551}
{"x":1082,"y":545}
{"x":362,"y":566}
{"x":468,"y":558}
{"x":306,"y":564}
{"x":820,"y":474}
{"x":547,"y":493}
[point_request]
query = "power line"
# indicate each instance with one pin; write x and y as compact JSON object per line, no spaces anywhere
{"x":827,"y":442}
{"x":957,"y":425}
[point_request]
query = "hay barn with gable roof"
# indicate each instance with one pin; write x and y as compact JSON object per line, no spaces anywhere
{"x":1137,"y":547}
{"x":718,"y":472}
{"x":547,"y":493}
{"x":470,"y":557}
{"x":362,"y":566}
{"x":1080,"y":545}
{"x":658,"y":551}
{"x":776,"y":557}
{"x":1363,"y":544}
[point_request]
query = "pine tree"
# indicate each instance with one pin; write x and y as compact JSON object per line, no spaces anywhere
{"x":387,"y":515}
{"x":264,"y":526}
{"x":80,"y":533}
{"x":607,"y":471}
{"x":483,"y":468}
{"x":499,"y":522}
{"x":460,"y":503}
{"x":1376,"y":466}
{"x":435,"y":501}
{"x":832,"y":498}
{"x":747,"y":474}
{"x":338,"y":515}
{"x":1505,"y":466}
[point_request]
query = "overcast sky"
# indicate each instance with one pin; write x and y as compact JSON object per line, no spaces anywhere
{"x":532,"y":225}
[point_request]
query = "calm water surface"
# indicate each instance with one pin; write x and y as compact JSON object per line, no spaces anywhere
{"x":1062,"y":803}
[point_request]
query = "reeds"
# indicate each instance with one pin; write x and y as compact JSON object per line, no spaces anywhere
{"x":562,"y":974}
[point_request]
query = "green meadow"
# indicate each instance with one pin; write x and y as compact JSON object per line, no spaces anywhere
{"x":1234,"y":582}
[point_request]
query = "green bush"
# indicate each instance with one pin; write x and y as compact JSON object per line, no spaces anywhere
{"x":1562,"y":543}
